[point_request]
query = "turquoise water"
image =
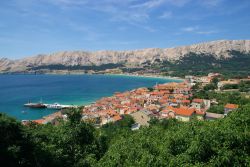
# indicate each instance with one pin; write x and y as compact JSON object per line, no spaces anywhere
{"x":15,"y":90}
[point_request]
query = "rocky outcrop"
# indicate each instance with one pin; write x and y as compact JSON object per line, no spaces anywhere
{"x":5,"y":64}
{"x":219,"y":49}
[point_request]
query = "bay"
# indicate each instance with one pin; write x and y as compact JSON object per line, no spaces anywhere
{"x":16,"y":90}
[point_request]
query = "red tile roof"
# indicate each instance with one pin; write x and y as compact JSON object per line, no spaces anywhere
{"x":197,"y":100}
{"x":117,"y":117}
{"x":199,"y":112}
{"x":184,"y":111}
{"x":231,"y":106}
{"x":38,"y":121}
{"x":111,"y":112}
{"x":185,"y":101}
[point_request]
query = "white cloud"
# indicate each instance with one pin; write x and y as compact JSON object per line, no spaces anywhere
{"x":166,"y":15}
{"x":190,"y":29}
{"x":118,"y":42}
{"x":179,"y":3}
{"x":207,"y":32}
{"x":130,"y":17}
{"x":210,"y":3}
{"x":198,"y":30}
{"x":137,"y":13}
{"x":66,"y":3}
{"x":149,"y":4}
{"x":89,"y":33}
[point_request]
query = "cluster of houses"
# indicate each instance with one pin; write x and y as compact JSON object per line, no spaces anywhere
{"x":204,"y":80}
{"x":169,"y":100}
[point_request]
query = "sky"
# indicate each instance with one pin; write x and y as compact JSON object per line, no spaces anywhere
{"x":31,"y":27}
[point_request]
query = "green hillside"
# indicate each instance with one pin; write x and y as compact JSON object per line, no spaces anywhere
{"x":202,"y":64}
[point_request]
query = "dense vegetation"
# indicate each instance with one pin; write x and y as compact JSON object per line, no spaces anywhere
{"x":223,"y":97}
{"x":218,"y":143}
{"x":243,"y":86}
{"x":223,"y":142}
{"x":202,"y":64}
{"x":77,"y":67}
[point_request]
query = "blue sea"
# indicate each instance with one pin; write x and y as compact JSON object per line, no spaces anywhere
{"x":16,"y":90}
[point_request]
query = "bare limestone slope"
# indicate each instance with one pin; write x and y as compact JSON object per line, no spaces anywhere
{"x":219,"y":49}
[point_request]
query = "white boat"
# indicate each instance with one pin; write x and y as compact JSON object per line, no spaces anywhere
{"x":59,"y":106}
{"x":55,"y":106}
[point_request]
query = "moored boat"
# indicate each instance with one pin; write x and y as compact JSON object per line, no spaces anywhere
{"x":35,"y":105}
{"x":55,"y":106}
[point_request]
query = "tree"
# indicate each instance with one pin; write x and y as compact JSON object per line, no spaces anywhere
{"x":219,"y":109}
{"x":74,"y":115}
{"x":215,"y":81}
{"x":224,"y":142}
{"x":196,"y":86}
{"x":16,"y":149}
{"x":209,"y":87}
{"x":217,"y":143}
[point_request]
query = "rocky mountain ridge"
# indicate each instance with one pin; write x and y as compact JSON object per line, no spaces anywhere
{"x":219,"y":49}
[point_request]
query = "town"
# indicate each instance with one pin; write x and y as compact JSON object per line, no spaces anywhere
{"x":163,"y":101}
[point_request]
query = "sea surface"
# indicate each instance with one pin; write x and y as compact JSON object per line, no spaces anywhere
{"x":16,"y":90}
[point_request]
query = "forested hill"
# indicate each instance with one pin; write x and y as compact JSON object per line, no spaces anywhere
{"x":224,"y":142}
{"x":202,"y":64}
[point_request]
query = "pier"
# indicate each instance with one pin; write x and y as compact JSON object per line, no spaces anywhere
{"x":51,"y":106}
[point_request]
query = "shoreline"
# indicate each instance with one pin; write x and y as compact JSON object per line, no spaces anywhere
{"x":123,"y":75}
{"x":164,"y":78}
{"x":108,"y":74}
{"x":146,"y":76}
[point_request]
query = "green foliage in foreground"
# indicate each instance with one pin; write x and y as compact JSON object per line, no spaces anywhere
{"x":224,"y":142}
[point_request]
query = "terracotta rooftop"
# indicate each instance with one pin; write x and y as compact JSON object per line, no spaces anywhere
{"x":185,"y":101}
{"x":39,"y":121}
{"x":197,"y":100}
{"x":231,"y":106}
{"x":200,"y":112}
{"x":184,"y":111}
{"x":117,"y":118}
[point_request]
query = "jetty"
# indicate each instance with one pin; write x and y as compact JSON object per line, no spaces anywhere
{"x":59,"y":106}
{"x":51,"y":106}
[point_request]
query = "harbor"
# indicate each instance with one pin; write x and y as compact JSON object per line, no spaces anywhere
{"x":50,"y":106}
{"x":46,"y":90}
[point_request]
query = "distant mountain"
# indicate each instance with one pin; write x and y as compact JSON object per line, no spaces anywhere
{"x":218,"y":50}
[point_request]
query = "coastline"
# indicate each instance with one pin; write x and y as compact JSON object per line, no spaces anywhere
{"x":157,"y":76}
{"x":146,"y":76}
{"x":124,"y":75}
{"x":161,"y":79}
